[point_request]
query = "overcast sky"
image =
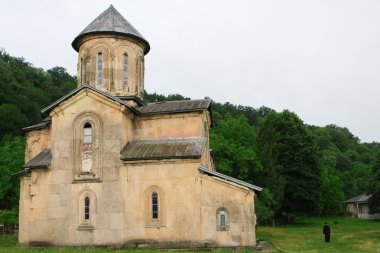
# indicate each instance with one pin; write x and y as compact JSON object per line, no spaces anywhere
{"x":319,"y":59}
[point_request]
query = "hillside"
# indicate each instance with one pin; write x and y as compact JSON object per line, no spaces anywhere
{"x":306,"y":170}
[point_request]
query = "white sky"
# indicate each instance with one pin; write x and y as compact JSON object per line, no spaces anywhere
{"x":320,"y":59}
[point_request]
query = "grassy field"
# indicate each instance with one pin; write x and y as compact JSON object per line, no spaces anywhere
{"x":347,"y":235}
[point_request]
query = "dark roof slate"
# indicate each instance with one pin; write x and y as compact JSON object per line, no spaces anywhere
{"x":181,"y":148}
{"x":176,"y":106}
{"x":359,"y":199}
{"x":231,"y":179}
{"x":44,"y":124}
{"x":111,"y":22}
{"x":42,"y":160}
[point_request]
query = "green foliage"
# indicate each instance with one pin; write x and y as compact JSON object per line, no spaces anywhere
{"x":234,"y":148}
{"x":25,"y":90}
{"x":263,"y":206}
{"x":331,"y":192}
{"x":374,"y":188}
{"x":8,"y":219}
{"x":154,"y":97}
{"x":11,"y":161}
{"x":347,"y":161}
{"x":12,"y":120}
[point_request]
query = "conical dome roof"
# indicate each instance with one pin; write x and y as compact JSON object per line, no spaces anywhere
{"x":111,"y":22}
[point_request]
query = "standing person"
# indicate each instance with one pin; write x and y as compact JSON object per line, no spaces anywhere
{"x":326,"y":232}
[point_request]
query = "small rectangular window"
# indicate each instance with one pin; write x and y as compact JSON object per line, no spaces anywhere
{"x":154,"y":206}
{"x":87,"y":208}
{"x":100,"y":69}
{"x":222,"y":220}
{"x":125,"y":69}
{"x":87,"y":133}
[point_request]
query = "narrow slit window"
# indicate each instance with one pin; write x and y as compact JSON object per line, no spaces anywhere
{"x":125,"y":70}
{"x":87,"y":133}
{"x":222,"y":217}
{"x":86,"y":208}
{"x":100,"y":69}
{"x":154,"y":206}
{"x":81,"y":71}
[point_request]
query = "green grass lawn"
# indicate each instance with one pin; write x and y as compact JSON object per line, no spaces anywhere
{"x":348,"y":235}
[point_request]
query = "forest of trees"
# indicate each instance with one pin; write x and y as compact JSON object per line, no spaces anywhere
{"x":305,"y":170}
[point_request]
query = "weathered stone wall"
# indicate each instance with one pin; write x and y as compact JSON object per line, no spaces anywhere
{"x":240,"y":213}
{"x":36,"y":141}
{"x":179,"y":125}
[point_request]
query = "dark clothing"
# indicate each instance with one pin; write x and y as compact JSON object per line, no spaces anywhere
{"x":326,"y":232}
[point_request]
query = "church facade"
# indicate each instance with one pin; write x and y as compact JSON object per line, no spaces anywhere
{"x":106,"y":169}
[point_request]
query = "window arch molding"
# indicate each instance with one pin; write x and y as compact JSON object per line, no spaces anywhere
{"x":105,"y":49}
{"x":222,"y":219}
{"x":154,"y":219}
{"x":85,"y":223}
{"x":83,"y":71}
{"x":122,"y":49}
{"x":87,"y":117}
{"x":34,"y":148}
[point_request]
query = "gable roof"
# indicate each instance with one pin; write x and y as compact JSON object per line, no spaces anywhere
{"x":149,"y":109}
{"x":86,"y":86}
{"x":228,"y":178}
{"x":180,"y":148}
{"x":111,"y":22}
{"x":359,"y":199}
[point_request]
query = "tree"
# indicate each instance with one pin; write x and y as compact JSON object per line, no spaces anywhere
{"x":289,"y":155}
{"x":12,"y":120}
{"x":234,"y":148}
{"x":263,"y":207}
{"x":11,"y":161}
{"x":374,"y":187}
{"x":332,"y":194}
{"x":272,"y":175}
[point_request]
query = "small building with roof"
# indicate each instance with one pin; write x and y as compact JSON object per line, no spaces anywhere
{"x":104,"y":168}
{"x":358,"y":207}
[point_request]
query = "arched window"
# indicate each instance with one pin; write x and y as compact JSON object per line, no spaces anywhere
{"x":154,"y":205}
{"x":125,"y":70}
{"x":222,"y":218}
{"x":87,"y":133}
{"x":86,"y":208}
{"x":81,"y":71}
{"x":100,"y":69}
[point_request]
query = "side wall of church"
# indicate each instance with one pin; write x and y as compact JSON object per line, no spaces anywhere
{"x":180,"y":125}
{"x":237,"y":204}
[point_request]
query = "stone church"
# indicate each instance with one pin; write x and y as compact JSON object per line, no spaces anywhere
{"x":104,"y":168}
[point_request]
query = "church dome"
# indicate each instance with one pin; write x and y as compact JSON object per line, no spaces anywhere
{"x":111,"y":22}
